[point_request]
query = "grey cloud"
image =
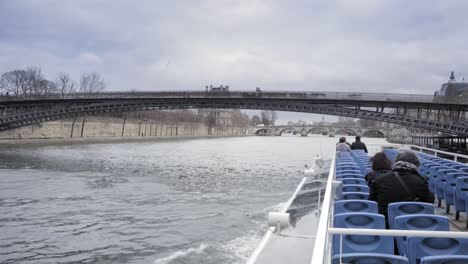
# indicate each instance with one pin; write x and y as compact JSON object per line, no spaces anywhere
{"x":371,"y":45}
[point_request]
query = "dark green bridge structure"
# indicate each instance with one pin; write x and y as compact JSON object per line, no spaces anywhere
{"x":446,"y":115}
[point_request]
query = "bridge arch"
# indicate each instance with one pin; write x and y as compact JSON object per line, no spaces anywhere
{"x":321,"y":130}
{"x":19,"y":112}
{"x":374,"y":133}
{"x":292,"y":129}
{"x":346,"y":131}
{"x":264,"y":132}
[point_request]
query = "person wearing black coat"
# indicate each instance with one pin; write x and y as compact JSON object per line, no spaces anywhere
{"x":387,"y":188}
{"x":358,"y":144}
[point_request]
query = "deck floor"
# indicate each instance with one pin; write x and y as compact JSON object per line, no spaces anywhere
{"x":455,"y":225}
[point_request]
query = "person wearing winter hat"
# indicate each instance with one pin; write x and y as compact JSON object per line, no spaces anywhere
{"x":403,"y":184}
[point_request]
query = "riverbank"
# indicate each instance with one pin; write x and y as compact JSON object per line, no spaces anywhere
{"x":101,"y":140}
{"x":95,"y":130}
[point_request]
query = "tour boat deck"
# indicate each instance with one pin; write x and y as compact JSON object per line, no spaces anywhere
{"x":310,"y":236}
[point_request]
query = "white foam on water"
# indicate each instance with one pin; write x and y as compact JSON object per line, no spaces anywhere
{"x":242,"y":247}
{"x":182,"y":253}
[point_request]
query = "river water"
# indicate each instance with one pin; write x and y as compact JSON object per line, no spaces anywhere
{"x":162,"y":202}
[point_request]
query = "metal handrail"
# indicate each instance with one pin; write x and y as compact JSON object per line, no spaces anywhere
{"x":322,"y":250}
{"x":396,"y":232}
{"x":454,"y":155}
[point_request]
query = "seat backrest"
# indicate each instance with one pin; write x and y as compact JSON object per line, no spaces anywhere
{"x":419,"y":222}
{"x":461,"y":186}
{"x":443,"y":173}
{"x":452,"y":177}
{"x":349,"y":176}
{"x":353,"y":181}
{"x":405,"y":208}
{"x":348,"y":206}
{"x":374,"y":258}
{"x":356,"y":188}
{"x":445,"y":259}
{"x":348,"y":168}
{"x":434,"y":246}
{"x":354,"y":195}
{"x":358,"y":243}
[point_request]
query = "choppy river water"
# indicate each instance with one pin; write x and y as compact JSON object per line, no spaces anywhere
{"x":179,"y":201}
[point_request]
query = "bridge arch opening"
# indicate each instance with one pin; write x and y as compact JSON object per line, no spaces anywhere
{"x":289,"y":130}
{"x":317,"y":130}
{"x":346,"y":132}
{"x":374,"y":133}
{"x":263,"y":132}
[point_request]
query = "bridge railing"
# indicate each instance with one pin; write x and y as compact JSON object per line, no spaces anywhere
{"x":347,"y":96}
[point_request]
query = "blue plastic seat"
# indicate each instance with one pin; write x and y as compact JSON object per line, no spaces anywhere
{"x":440,"y":183}
{"x":434,"y":246}
{"x":348,"y":171}
{"x":359,"y":243}
{"x":349,"y":176}
{"x":419,"y":222}
{"x":356,"y":206}
{"x":424,"y":168}
{"x":450,"y":186}
{"x":461,"y":189}
{"x":347,"y":167}
{"x":433,"y":174}
{"x":353,"y":181}
{"x":354,"y":195}
{"x":356,"y":188}
{"x":405,"y":208}
{"x":369,"y":258}
{"x":445,"y":259}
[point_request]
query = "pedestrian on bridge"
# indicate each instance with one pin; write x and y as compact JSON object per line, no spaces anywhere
{"x":358,"y":144}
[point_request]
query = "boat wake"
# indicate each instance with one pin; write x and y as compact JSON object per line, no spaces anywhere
{"x":235,"y":251}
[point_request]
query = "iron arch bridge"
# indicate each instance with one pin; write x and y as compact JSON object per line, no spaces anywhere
{"x":419,"y":111}
{"x":319,"y":129}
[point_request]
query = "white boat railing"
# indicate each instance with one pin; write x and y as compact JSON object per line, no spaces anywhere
{"x":436,"y":152}
{"x":271,"y":230}
{"x":322,"y":245}
{"x":322,"y":252}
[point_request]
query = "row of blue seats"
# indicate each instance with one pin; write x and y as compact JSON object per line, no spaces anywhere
{"x":365,"y":216}
{"x":376,"y":258}
{"x":351,"y":174}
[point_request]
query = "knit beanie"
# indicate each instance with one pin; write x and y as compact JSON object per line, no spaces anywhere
{"x":408,"y":156}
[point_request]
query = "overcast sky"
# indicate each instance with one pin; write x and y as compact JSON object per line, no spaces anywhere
{"x":362,"y":45}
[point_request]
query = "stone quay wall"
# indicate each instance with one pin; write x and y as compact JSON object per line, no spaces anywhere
{"x":84,"y":128}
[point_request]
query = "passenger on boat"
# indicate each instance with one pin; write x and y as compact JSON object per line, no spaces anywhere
{"x":342,"y":145}
{"x":404,"y":184}
{"x":358,"y":144}
{"x":381,"y":165}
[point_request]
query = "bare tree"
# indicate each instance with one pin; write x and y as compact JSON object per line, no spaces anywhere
{"x":64,"y":84}
{"x":239,"y":119}
{"x":210,"y":120}
{"x":29,"y":82}
{"x":37,"y":85}
{"x":255,"y":120}
{"x":14,"y":82}
{"x":268,"y":117}
{"x":92,"y":83}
